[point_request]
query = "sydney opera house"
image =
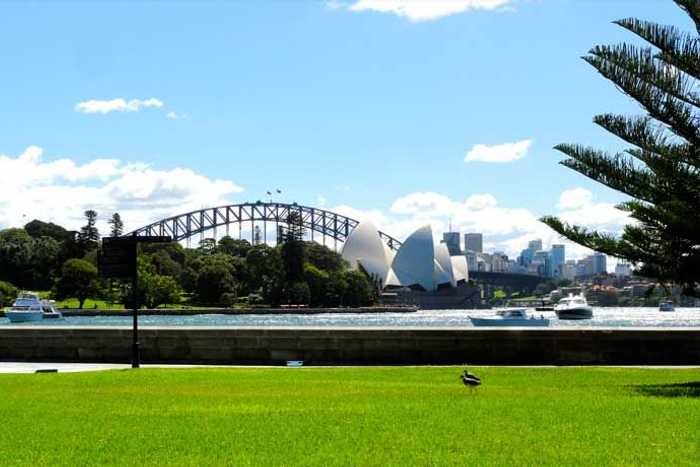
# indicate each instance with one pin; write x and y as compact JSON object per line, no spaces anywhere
{"x":421,"y":263}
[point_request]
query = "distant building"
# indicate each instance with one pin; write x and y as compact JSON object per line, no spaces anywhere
{"x":558,"y":260}
{"x":472,"y":260}
{"x":585,"y":267}
{"x":528,"y":255}
{"x":600,"y":263}
{"x":543,"y":260}
{"x":474,"y":242}
{"x":535,"y":245}
{"x":623,"y":269}
{"x":569,"y":270}
{"x":451,"y":239}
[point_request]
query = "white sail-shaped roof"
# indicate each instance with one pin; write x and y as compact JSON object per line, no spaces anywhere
{"x":442,"y":256}
{"x":364,"y":248}
{"x":414,"y":263}
{"x":460,"y":268}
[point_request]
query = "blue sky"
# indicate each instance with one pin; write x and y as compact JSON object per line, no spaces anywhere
{"x":365,"y":111}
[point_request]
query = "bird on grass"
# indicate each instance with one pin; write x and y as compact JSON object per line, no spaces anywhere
{"x":470,"y":379}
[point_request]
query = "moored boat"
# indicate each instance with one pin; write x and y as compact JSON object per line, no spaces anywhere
{"x":27,"y":307}
{"x":573,"y":307}
{"x":511,"y":317}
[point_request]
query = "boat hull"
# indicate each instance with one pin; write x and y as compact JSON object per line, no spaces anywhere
{"x":575,"y":313}
{"x":24,"y":316}
{"x":53,"y":315}
{"x":497,"y":322}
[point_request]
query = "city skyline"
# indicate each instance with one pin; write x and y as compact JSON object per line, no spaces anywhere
{"x":162,"y":124}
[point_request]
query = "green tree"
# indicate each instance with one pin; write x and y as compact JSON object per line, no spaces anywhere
{"x":116,"y":225}
{"x":265,"y":271}
{"x":207,"y":246}
{"x":78,"y":279}
{"x":292,"y":254}
{"x":318,"y":282}
{"x":359,"y":290}
{"x":8,"y":294}
{"x":159,"y":290}
{"x":37,"y":228}
{"x":89,"y":235}
{"x":233,"y":247}
{"x":323,"y":257}
{"x":661,"y":171}
{"x":296,"y":293}
{"x":215,"y":278}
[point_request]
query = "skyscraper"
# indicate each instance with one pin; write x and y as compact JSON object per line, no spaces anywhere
{"x":600,"y":263}
{"x":535,"y":245}
{"x":474,"y":242}
{"x":558,"y":260}
{"x":451,"y":239}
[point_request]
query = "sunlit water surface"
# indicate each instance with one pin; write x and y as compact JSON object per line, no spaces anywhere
{"x":603,"y":317}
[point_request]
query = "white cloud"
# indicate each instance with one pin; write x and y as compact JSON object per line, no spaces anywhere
{"x":575,"y":198}
{"x":117,"y":105}
{"x":424,"y":10}
{"x":60,"y":190}
{"x":176,"y":116}
{"x":578,"y":207}
{"x":499,"y":153}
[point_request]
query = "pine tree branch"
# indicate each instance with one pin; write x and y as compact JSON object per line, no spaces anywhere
{"x":602,"y":242}
{"x":617,"y":172}
{"x":692,"y":7}
{"x":641,"y":132}
{"x":643,"y":63}
{"x":660,"y":105}
{"x":679,"y":49}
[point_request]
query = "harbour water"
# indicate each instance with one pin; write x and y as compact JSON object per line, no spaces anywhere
{"x":603,"y":317}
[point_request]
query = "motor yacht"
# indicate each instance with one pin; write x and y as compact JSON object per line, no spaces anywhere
{"x":27,"y":307}
{"x":667,"y":306}
{"x":511,"y":317}
{"x":573,"y":307}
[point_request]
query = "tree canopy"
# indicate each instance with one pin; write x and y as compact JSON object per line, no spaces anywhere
{"x":660,"y":172}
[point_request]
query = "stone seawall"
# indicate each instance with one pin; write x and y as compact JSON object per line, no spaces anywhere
{"x":348,"y":346}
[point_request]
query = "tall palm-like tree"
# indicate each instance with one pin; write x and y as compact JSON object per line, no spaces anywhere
{"x":660,"y":172}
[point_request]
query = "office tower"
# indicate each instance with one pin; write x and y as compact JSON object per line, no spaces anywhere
{"x":451,"y":239}
{"x":474,"y":242}
{"x":558,"y":260}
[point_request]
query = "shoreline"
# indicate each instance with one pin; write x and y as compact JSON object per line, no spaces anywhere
{"x":238,"y":311}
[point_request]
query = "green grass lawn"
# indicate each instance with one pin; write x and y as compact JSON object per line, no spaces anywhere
{"x":352,"y":416}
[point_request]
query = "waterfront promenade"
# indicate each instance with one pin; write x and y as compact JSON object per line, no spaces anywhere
{"x":354,"y":345}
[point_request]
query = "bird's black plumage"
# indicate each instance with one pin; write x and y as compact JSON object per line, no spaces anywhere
{"x":470,"y":379}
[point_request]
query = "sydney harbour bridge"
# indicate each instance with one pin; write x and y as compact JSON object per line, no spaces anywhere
{"x":260,"y":222}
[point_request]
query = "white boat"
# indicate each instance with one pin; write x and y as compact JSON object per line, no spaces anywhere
{"x":573,"y":307}
{"x":667,"y":306}
{"x":511,"y":317}
{"x":27,"y":307}
{"x":49,"y":310}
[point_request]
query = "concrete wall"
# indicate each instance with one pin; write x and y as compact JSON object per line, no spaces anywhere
{"x":345,"y":346}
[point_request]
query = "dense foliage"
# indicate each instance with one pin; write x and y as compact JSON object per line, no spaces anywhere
{"x":661,"y":171}
{"x":44,"y":256}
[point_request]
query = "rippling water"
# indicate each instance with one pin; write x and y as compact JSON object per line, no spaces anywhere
{"x":603,"y":317}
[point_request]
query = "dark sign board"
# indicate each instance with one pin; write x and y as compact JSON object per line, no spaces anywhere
{"x":117,"y":258}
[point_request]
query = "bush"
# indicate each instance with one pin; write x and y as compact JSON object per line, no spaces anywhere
{"x":296,"y":293}
{"x":8,"y":294}
{"x":228,"y":299}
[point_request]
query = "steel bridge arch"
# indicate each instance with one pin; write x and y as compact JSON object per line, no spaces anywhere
{"x":326,"y":223}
